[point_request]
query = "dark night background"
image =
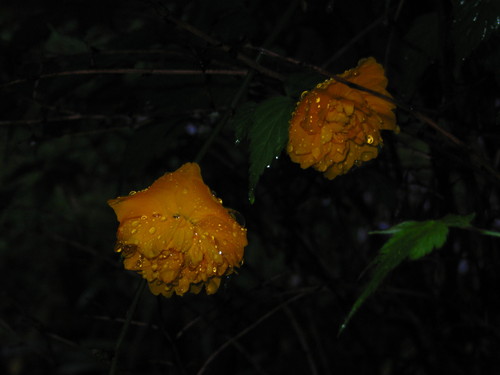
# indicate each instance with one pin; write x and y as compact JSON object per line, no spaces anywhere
{"x":70,"y":140}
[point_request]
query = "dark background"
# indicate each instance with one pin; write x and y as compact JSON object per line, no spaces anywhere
{"x":71,"y":141}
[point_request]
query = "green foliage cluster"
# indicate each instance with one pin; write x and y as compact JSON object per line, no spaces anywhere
{"x":98,"y":99}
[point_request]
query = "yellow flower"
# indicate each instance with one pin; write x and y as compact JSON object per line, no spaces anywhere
{"x":177,"y":234}
{"x":335,"y":127}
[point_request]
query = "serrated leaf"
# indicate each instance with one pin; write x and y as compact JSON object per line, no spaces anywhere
{"x":243,"y":120}
{"x":411,"y":240}
{"x":268,"y":135}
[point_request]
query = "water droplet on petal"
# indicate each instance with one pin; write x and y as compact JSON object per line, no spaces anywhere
{"x":152,"y":230}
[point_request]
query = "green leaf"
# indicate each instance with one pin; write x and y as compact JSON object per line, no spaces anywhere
{"x":268,"y":135}
{"x":410,"y":240}
{"x":243,"y":120}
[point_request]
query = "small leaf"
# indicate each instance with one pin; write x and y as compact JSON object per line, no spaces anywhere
{"x":268,"y":135}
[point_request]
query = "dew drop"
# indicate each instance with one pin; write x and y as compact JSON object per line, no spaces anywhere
{"x":144,"y":217}
{"x":133,"y":231}
{"x":133,"y":192}
{"x":152,"y":230}
{"x":369,"y":139}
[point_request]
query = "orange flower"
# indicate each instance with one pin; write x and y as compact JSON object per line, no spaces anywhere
{"x":177,"y":234}
{"x":335,"y":127}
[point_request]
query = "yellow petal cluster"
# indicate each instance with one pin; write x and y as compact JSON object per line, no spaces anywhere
{"x":335,"y":127}
{"x":177,"y":234}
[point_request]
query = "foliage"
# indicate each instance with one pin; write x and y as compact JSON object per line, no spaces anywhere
{"x":268,"y":135}
{"x":411,"y":240}
{"x":99,"y":99}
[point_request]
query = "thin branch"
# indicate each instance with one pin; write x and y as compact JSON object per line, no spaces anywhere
{"x":302,"y":339}
{"x":249,"y":328}
{"x":130,"y":313}
{"x":252,"y":63}
{"x":74,"y":117}
{"x":128,"y":71}
{"x":353,"y":41}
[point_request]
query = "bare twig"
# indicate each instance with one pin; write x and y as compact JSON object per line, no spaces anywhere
{"x":74,"y":117}
{"x":130,"y":312}
{"x":302,"y":339}
{"x":251,"y":63}
{"x":128,"y":71}
{"x":242,"y":333}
